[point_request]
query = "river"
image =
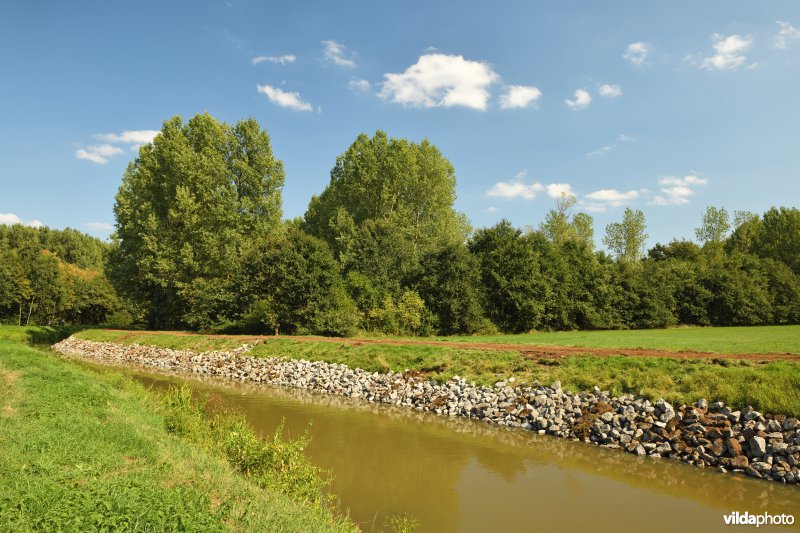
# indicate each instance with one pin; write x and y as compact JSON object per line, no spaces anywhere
{"x":461,"y":475}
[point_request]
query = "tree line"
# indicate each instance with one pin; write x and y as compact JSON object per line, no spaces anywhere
{"x":200,"y":243}
{"x":55,"y":277}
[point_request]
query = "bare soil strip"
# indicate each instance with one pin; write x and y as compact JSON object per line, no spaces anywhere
{"x":528,"y":350}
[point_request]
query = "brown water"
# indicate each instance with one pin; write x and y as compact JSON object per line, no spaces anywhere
{"x":461,"y":475}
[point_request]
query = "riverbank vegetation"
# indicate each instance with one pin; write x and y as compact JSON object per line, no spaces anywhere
{"x":90,"y":450}
{"x":200,"y":244}
{"x":771,"y":387}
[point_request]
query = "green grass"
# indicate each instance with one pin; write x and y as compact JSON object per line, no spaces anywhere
{"x":732,"y":340}
{"x":37,"y":334}
{"x":82,"y":450}
{"x":772,"y":387}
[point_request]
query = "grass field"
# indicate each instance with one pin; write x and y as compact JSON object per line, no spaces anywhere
{"x":733,"y":340}
{"x":85,"y":451}
{"x":774,"y":387}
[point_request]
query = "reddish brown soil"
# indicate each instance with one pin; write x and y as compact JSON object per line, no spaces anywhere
{"x":528,"y":350}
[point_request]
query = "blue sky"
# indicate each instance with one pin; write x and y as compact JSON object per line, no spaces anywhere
{"x":666,"y":107}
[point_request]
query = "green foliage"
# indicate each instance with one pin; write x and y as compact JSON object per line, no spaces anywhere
{"x":561,"y":225}
{"x":715,"y":226}
{"x":39,"y":284}
{"x":779,"y":237}
{"x":627,"y":239}
{"x":389,"y":203}
{"x":450,"y":284}
{"x":402,"y":523}
{"x":510,"y":272}
{"x":190,"y":205}
{"x":275,"y":463}
{"x":291,"y":283}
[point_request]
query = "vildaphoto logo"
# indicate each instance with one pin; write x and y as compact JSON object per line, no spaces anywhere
{"x":746,"y":519}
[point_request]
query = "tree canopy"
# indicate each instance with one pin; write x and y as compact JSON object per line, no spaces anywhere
{"x":190,"y":205}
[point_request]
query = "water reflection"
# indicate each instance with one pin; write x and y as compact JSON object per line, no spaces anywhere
{"x":460,"y":475}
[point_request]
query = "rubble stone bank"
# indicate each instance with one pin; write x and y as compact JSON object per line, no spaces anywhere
{"x":706,"y":435}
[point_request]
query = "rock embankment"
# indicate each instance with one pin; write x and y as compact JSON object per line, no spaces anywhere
{"x":763,"y":446}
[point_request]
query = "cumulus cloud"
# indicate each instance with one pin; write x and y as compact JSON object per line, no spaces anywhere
{"x":334,"y":53}
{"x":284,"y":59}
{"x":291,"y":100}
{"x":677,"y":190}
{"x":359,"y":85}
{"x":786,"y":34}
{"x":610,"y":90}
{"x":729,"y":52}
{"x":613,"y":197}
{"x":621,"y":139}
{"x":441,"y":80}
{"x":637,"y":53}
{"x":515,"y":189}
{"x":581,"y":101}
{"x":98,"y":226}
{"x":9,"y":219}
{"x":557,"y":190}
{"x":517,"y":96}
{"x":98,"y":153}
{"x":136,"y":137}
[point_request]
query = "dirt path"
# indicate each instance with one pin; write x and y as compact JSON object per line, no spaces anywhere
{"x":532,"y":351}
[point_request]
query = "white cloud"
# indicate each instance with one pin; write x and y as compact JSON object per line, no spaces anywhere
{"x":9,"y":219}
{"x":676,"y":190}
{"x":284,"y":59}
{"x":441,"y":80}
{"x":359,"y":85}
{"x":98,"y":226}
{"x":610,"y":90}
{"x":292,"y":100}
{"x":785,"y":35}
{"x":491,"y":209}
{"x":613,"y":197}
{"x":621,"y":139}
{"x":517,"y":96}
{"x":334,"y":53}
{"x":729,"y":52}
{"x":98,"y":153}
{"x":581,"y":101}
{"x":515,"y":189}
{"x":135,"y":137}
{"x":557,"y":190}
{"x":637,"y":53}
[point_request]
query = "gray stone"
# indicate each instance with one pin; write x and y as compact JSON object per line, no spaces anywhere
{"x":758,"y":446}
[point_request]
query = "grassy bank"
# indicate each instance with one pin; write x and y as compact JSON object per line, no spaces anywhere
{"x":83,"y":450}
{"x":773,"y":387}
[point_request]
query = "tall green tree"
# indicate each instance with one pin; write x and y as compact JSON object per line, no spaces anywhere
{"x":515,"y":291}
{"x":627,"y":239}
{"x":561,"y":225}
{"x":190,"y":205}
{"x":779,"y":237}
{"x":389,"y":202}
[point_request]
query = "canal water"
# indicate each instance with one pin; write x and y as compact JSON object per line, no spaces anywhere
{"x":461,"y":475}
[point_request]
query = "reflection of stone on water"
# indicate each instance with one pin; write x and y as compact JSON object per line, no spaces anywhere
{"x":509,"y":452}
